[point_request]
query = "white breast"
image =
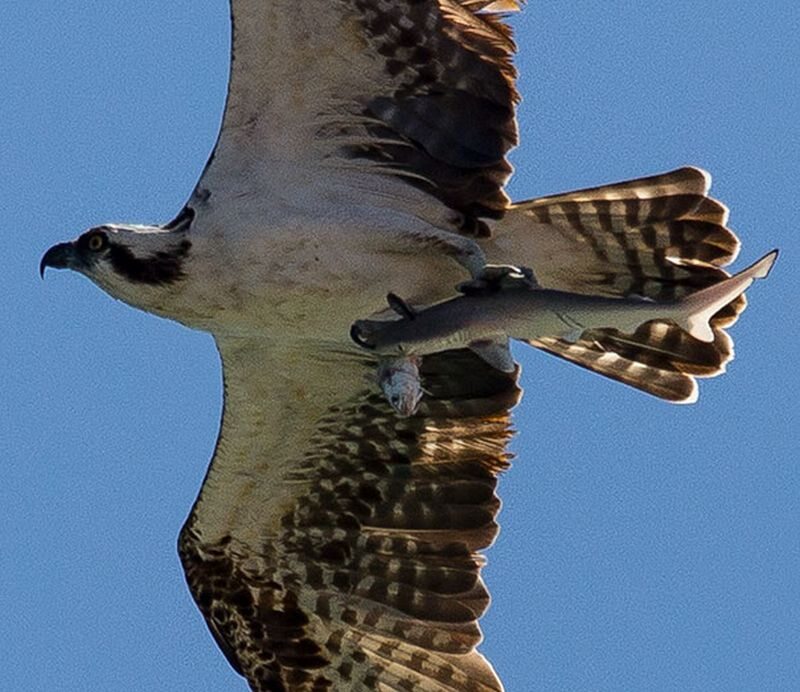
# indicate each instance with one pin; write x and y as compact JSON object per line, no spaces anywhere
{"x":313,"y":265}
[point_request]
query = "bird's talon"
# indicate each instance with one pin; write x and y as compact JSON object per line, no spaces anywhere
{"x":498,"y":277}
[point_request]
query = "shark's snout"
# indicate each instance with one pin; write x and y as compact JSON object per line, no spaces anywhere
{"x":360,"y":333}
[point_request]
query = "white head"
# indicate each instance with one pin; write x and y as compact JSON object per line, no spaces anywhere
{"x":133,"y":263}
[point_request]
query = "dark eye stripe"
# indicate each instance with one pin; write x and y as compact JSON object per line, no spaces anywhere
{"x":163,"y":267}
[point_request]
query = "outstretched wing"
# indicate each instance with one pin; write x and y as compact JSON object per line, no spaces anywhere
{"x":418,"y":91}
{"x":334,"y":545}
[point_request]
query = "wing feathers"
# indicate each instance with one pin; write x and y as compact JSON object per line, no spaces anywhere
{"x":369,"y":577}
{"x":421,"y":90}
{"x":409,"y":668}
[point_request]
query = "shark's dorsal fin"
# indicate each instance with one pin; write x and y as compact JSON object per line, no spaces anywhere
{"x":400,"y":306}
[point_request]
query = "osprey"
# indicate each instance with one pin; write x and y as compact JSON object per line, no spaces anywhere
{"x":335,"y":542}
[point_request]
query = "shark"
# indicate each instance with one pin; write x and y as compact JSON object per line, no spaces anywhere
{"x":514,"y":306}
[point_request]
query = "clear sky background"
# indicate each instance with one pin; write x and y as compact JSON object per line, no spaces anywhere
{"x":644,"y":546}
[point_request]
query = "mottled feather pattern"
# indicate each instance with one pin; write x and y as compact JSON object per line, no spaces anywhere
{"x":658,"y":237}
{"x":373,"y":580}
{"x":419,"y":92}
{"x":449,"y":120}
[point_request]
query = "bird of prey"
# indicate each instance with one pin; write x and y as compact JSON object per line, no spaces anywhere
{"x":335,"y":542}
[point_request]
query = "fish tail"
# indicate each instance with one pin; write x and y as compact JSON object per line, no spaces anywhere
{"x":696,"y":310}
{"x":665,"y":357}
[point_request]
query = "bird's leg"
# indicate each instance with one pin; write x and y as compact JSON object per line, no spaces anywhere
{"x":483,"y":276}
{"x":463,"y":250}
{"x":490,"y":278}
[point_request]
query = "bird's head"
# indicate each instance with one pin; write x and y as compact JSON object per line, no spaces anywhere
{"x":128,"y":262}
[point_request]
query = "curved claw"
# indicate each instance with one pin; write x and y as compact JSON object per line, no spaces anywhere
{"x":498,"y":277}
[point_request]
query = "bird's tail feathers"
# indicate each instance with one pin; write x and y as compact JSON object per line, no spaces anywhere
{"x":664,"y":357}
{"x":659,"y":358}
{"x":659,"y":237}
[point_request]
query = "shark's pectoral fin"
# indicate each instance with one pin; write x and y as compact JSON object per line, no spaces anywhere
{"x":495,"y":353}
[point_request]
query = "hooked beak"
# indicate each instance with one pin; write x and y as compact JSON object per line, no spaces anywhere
{"x":59,"y":256}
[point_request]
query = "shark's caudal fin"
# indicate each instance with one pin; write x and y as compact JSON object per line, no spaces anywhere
{"x":704,"y":304}
{"x":661,"y":237}
{"x":662,"y":357}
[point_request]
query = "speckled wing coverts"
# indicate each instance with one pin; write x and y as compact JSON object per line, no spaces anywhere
{"x":367,"y":576}
{"x":420,"y":89}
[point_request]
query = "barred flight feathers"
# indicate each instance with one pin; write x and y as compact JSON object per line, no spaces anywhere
{"x":660,"y":237}
{"x":421,"y":91}
{"x":354,"y":563}
{"x":659,"y":358}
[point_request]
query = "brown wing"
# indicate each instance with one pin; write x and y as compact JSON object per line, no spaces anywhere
{"x":421,"y":90}
{"x":334,"y":545}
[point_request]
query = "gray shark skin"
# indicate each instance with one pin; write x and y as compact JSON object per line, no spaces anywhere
{"x":485,"y":321}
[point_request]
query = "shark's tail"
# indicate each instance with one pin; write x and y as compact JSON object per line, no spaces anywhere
{"x":661,"y":237}
{"x":698,"y":308}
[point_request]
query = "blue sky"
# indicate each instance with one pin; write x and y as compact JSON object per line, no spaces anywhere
{"x":644,"y":546}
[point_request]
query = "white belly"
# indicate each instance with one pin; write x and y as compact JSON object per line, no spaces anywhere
{"x":308,"y":279}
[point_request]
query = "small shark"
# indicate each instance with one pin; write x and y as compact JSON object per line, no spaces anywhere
{"x":484,"y":320}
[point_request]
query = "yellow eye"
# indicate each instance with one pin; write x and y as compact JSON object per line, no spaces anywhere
{"x":96,"y":242}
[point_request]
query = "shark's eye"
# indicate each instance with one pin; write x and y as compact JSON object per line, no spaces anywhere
{"x":97,"y":241}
